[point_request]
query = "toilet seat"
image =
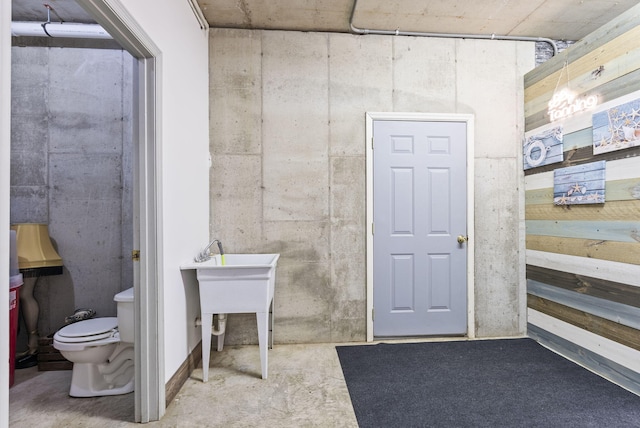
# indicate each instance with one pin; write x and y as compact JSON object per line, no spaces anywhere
{"x":91,"y":332}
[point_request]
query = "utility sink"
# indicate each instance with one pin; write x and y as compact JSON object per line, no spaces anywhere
{"x":245,"y":283}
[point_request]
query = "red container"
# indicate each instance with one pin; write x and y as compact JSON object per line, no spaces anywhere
{"x":15,"y":282}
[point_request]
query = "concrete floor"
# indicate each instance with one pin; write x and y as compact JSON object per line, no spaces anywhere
{"x":305,"y":388}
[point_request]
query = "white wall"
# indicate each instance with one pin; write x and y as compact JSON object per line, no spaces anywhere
{"x":182,"y":163}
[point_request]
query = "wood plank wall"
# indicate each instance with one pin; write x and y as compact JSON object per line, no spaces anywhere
{"x":583,"y":261}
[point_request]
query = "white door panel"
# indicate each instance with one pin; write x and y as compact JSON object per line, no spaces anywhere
{"x":419,"y":210}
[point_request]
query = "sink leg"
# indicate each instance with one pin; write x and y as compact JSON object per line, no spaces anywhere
{"x":263,"y":337}
{"x":207,"y":319}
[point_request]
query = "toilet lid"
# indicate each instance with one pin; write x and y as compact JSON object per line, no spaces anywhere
{"x":91,"y":329}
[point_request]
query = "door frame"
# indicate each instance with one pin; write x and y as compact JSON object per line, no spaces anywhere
{"x":149,"y":306}
{"x":5,"y":183}
{"x":370,"y":117}
{"x":149,"y":390}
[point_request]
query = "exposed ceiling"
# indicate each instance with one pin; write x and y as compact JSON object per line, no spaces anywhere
{"x":555,"y":19}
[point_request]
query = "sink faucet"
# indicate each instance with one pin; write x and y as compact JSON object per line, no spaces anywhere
{"x":205,"y":255}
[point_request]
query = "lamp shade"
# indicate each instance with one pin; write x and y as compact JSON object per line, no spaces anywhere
{"x":34,"y":246}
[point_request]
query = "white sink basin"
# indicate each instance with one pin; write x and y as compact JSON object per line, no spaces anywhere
{"x":235,"y":260}
{"x":245,"y":283}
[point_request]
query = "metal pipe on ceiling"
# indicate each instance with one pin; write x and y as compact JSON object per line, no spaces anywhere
{"x":356,"y":30}
{"x":54,"y":29}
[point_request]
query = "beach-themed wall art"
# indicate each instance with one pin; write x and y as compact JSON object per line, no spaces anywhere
{"x":617,"y":128}
{"x":580,"y":184}
{"x":543,"y":149}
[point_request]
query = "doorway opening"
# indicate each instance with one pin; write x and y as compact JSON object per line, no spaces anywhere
{"x":149,"y":394}
{"x":149,"y":329}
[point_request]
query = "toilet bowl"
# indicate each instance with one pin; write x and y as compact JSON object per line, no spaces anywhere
{"x":101,"y":350}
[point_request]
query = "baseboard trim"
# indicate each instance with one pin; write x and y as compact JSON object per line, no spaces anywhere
{"x":610,"y":370}
{"x":184,"y":371}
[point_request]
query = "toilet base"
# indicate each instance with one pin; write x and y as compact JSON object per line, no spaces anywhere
{"x":82,"y":386}
{"x":113,"y":378}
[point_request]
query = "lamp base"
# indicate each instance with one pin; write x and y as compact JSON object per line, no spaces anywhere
{"x":41,"y":271}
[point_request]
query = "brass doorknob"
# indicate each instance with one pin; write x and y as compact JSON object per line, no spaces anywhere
{"x":462,"y":239}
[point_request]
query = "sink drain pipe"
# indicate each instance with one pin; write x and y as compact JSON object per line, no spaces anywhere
{"x":217,"y":331}
{"x":362,"y":31}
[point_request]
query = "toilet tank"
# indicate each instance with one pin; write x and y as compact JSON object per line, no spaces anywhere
{"x":124,"y":300}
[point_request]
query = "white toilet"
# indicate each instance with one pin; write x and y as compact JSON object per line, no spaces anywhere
{"x":101,"y":350}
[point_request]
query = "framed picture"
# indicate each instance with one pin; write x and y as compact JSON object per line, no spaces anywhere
{"x":617,"y":128}
{"x":580,"y":184}
{"x":543,"y":149}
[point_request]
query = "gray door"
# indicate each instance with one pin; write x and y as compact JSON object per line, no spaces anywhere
{"x":419,"y":214}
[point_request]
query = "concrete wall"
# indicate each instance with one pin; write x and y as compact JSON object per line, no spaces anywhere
{"x":287,"y":134}
{"x":71,"y":150}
